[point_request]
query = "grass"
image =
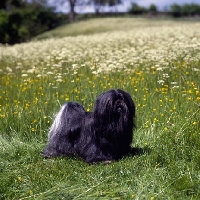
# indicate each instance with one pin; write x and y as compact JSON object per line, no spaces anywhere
{"x":158,"y":65}
{"x":99,"y":25}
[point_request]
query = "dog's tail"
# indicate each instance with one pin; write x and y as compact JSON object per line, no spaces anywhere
{"x":68,"y":116}
{"x":65,"y":128}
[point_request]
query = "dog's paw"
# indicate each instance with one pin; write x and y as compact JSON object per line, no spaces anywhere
{"x":47,"y":154}
{"x":106,"y":162}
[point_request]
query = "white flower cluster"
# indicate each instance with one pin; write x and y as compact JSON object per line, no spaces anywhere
{"x":151,"y":46}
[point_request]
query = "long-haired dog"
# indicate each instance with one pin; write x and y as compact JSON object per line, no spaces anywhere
{"x":103,"y":135}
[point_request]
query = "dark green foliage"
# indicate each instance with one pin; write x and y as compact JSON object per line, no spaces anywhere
{"x":23,"y":22}
{"x":99,"y":3}
{"x":104,"y":2}
{"x":10,"y":4}
{"x":190,"y":9}
{"x":136,"y":9}
{"x":3,"y":26}
{"x":185,"y":10}
{"x":176,"y":10}
{"x":152,"y":8}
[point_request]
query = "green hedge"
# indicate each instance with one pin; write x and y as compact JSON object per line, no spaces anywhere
{"x":185,"y":10}
{"x":20,"y":25}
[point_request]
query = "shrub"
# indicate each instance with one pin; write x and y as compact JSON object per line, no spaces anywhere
{"x":136,"y":9}
{"x":20,"y":25}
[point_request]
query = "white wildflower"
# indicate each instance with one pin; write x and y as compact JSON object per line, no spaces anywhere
{"x":161,"y":82}
{"x":9,"y":69}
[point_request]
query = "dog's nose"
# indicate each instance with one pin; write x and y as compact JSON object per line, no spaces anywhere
{"x":119,"y":109}
{"x":118,"y":106}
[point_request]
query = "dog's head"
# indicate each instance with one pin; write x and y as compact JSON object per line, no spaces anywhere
{"x":115,"y":108}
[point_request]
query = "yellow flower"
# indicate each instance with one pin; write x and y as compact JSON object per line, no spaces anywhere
{"x":27,"y":105}
{"x":155,"y":119}
{"x":23,"y":89}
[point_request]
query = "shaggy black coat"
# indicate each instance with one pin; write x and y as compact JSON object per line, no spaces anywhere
{"x":103,"y":135}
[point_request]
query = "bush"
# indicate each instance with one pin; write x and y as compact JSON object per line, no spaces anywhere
{"x":176,"y":10}
{"x":20,"y":25}
{"x":185,"y":10}
{"x":190,"y":9}
{"x":4,"y":37}
{"x":136,"y":9}
{"x":152,"y":8}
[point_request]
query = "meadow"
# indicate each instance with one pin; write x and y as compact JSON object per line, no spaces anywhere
{"x":157,"y":62}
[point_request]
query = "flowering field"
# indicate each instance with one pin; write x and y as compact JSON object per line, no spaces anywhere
{"x":157,"y":63}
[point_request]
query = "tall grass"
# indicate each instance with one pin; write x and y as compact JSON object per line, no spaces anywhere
{"x":158,"y":66}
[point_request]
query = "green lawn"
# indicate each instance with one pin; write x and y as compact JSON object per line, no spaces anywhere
{"x":99,"y":25}
{"x":157,"y":62}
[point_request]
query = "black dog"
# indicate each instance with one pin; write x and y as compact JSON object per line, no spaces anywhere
{"x":103,"y":135}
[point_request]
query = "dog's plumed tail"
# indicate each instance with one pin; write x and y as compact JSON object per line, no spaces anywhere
{"x":65,"y":130}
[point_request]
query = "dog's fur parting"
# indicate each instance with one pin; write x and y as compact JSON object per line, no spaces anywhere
{"x":103,"y":135}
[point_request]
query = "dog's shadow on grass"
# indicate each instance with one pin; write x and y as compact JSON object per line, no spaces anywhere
{"x":137,"y":151}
